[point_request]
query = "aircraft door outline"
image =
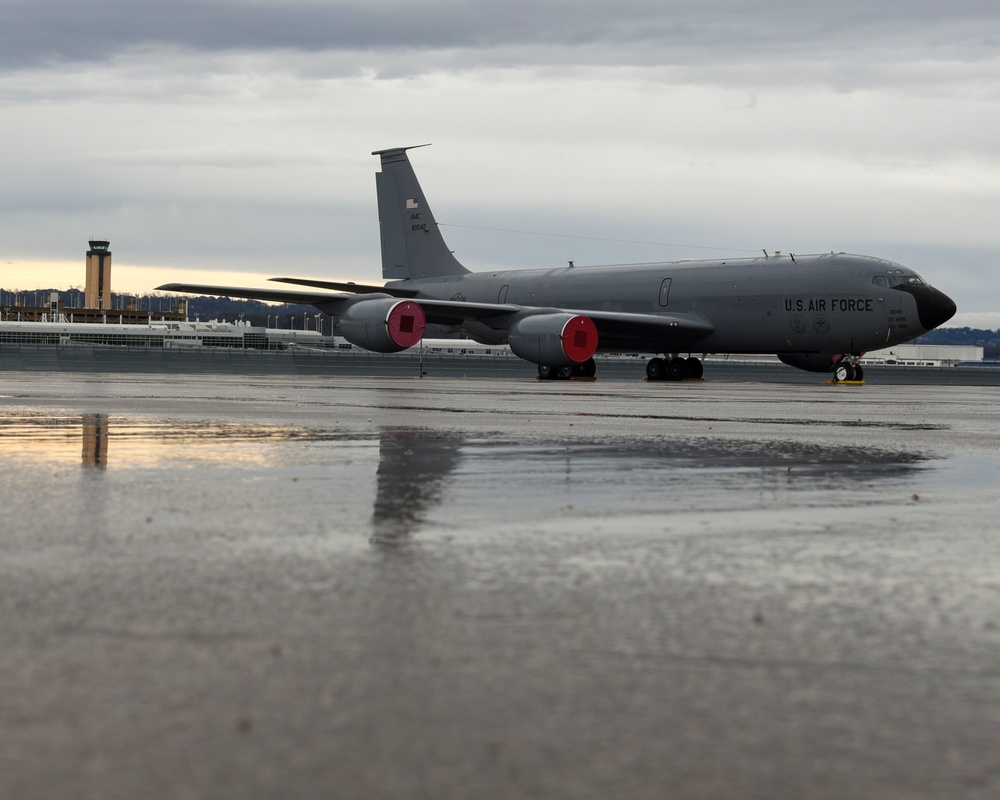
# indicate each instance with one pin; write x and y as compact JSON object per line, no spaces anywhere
{"x":665,"y":292}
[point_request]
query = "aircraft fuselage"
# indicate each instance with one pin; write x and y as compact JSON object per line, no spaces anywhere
{"x":781,"y":303}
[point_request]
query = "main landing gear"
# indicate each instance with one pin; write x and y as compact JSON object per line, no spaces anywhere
{"x":588,"y":369}
{"x":674,"y":369}
{"x":848,"y":370}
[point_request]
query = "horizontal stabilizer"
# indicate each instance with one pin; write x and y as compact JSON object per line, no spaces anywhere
{"x":272,"y":295}
{"x":350,"y":286}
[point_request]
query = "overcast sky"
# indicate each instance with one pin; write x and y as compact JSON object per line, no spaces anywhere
{"x":230,"y":140}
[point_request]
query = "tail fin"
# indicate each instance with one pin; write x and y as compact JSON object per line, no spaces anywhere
{"x":412,"y":244}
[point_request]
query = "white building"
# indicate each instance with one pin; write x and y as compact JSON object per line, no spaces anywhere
{"x":924,"y":355}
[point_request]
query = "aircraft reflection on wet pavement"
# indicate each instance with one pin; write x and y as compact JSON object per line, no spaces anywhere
{"x":505,"y":479}
{"x":412,"y":470}
{"x":448,"y":480}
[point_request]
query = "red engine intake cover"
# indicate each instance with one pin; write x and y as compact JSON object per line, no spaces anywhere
{"x":406,"y":323}
{"x":579,"y":339}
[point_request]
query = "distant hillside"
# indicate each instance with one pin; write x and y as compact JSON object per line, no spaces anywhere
{"x":204,"y":308}
{"x":988,"y":340}
{"x":255,"y":312}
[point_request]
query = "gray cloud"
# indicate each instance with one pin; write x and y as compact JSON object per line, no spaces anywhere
{"x":34,"y":32}
{"x":236,"y":134}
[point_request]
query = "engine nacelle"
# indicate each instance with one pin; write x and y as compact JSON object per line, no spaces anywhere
{"x":556,"y":340}
{"x":383,"y":326}
{"x":810,"y":362}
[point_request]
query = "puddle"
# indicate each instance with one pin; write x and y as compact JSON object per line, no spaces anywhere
{"x":966,"y":471}
{"x":103,"y":440}
{"x":401,"y":480}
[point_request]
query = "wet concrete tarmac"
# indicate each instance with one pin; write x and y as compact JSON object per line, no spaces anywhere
{"x":300,"y":587}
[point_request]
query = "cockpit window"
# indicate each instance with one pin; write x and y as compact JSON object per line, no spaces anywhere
{"x":895,"y":277}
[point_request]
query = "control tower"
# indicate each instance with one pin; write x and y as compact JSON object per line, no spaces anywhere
{"x":98,"y":288}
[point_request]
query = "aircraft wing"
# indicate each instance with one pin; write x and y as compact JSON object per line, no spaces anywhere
{"x":611,"y":323}
{"x":616,"y":330}
{"x":446,"y":312}
{"x":642,"y":332}
{"x":273,"y":295}
{"x":648,"y":332}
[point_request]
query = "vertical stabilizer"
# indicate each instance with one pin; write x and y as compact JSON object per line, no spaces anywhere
{"x":412,"y":244}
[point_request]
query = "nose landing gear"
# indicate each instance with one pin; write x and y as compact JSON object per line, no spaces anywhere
{"x":849,"y":370}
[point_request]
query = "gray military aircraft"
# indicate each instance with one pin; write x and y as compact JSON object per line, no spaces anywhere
{"x":816,"y":312}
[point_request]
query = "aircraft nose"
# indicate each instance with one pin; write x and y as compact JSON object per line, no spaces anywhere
{"x":934,"y":307}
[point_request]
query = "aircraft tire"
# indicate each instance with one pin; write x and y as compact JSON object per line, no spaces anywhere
{"x":843,"y":372}
{"x":656,"y":369}
{"x":693,"y":368}
{"x":859,"y":373}
{"x":588,"y":369}
{"x":546,"y":373}
{"x":676,"y":369}
{"x":564,"y":373}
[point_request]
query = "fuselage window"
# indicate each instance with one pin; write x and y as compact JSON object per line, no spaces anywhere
{"x":879,"y":280}
{"x":665,"y":293}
